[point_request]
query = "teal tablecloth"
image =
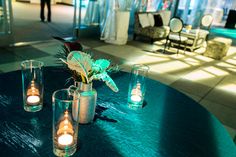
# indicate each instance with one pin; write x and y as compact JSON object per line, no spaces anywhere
{"x":170,"y":124}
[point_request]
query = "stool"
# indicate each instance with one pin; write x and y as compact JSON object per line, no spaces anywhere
{"x":217,"y":48}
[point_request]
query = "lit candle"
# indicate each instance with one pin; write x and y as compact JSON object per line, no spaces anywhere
{"x":136,"y":94}
{"x":136,"y":98}
{"x":65,"y":139}
{"x":33,"y":97}
{"x":65,"y":131}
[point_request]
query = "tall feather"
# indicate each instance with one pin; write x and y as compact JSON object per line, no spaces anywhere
{"x":80,"y":62}
{"x":107,"y":79}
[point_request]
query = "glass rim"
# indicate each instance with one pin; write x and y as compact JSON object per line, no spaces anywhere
{"x":40,"y":63}
{"x":65,"y":100}
{"x":139,"y":66}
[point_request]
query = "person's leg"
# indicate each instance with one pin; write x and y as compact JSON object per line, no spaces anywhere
{"x":49,"y":10}
{"x":42,"y":4}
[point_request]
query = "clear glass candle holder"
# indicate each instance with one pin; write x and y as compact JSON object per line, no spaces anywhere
{"x":137,"y":85}
{"x":65,"y":121}
{"x":32,"y":85}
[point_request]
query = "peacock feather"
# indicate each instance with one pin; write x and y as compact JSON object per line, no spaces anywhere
{"x":81,"y":63}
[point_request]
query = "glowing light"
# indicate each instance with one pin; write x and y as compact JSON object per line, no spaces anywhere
{"x":65,"y":131}
{"x":216,"y":71}
{"x":136,"y":98}
{"x":203,"y":58}
{"x":198,"y":75}
{"x":231,"y":61}
{"x":170,"y":66}
{"x":33,"y":99}
{"x":192,"y":61}
{"x":136,"y":93}
{"x":232,"y":69}
{"x":222,"y":64}
{"x":144,"y":59}
{"x":229,"y":88}
{"x":179,"y":56}
{"x":65,"y":139}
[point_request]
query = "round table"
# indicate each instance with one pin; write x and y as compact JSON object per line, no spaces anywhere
{"x":169,"y":125}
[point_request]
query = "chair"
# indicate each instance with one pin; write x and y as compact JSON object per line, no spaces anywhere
{"x":206,"y":22}
{"x":176,"y":26}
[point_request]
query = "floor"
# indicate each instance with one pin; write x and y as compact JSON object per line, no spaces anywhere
{"x":210,"y":82}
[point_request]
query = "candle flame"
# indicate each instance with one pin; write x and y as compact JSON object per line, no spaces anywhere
{"x":65,"y":131}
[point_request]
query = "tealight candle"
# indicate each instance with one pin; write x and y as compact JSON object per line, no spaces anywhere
{"x":136,"y":94}
{"x":65,"y":139}
{"x":65,"y":131}
{"x":33,"y":99}
{"x":32,"y":96}
{"x":136,"y":98}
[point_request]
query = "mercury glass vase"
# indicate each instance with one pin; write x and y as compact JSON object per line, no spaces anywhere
{"x":88,"y":100}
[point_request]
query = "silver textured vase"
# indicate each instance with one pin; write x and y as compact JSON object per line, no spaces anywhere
{"x":88,"y":100}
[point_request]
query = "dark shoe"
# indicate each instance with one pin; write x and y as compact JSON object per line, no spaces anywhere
{"x":42,"y":20}
{"x":49,"y":20}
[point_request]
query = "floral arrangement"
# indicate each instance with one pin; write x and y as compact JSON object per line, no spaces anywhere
{"x":84,"y":67}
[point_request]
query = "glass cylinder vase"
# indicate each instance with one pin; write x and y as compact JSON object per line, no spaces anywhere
{"x":32,"y":85}
{"x":88,"y":100}
{"x":65,"y":121}
{"x":137,"y":86}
